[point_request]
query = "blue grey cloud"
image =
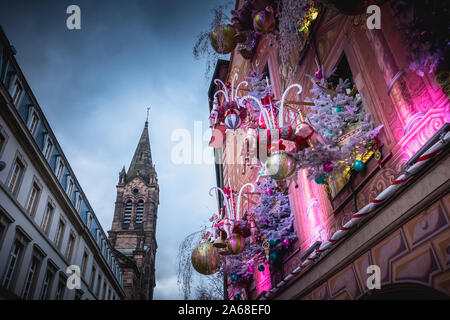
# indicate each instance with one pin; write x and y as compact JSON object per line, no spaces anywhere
{"x":94,"y":85}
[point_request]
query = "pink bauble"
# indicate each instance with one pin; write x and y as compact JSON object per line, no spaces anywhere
{"x":328,"y":166}
{"x":236,"y":243}
{"x":286,"y":243}
{"x":318,"y":74}
{"x":269,"y":191}
{"x":251,"y":269}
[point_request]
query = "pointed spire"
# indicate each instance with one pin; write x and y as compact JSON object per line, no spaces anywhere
{"x":141,"y":164}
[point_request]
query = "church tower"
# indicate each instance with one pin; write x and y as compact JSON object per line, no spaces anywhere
{"x":134,"y":225}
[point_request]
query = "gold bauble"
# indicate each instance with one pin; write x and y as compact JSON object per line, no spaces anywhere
{"x":280,"y":165}
{"x":223,"y":39}
{"x":205,"y":258}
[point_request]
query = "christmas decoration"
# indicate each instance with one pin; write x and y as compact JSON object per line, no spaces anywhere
{"x":358,"y":165}
{"x":320,"y":179}
{"x":231,"y":223}
{"x":205,"y":258}
{"x":264,"y":21}
{"x":318,"y":74}
{"x":286,"y":243}
{"x":234,"y":277}
{"x":280,"y":165}
{"x":222,"y":39}
{"x":229,"y":111}
{"x":431,"y":153}
{"x":328,"y":166}
{"x":347,"y":135}
{"x":237,"y":296}
{"x":236,"y":243}
{"x":424,"y":24}
{"x":232,"y":120}
{"x":275,"y":222}
{"x":294,"y":26}
{"x":272,"y":242}
{"x":203,"y":45}
{"x":269,"y":192}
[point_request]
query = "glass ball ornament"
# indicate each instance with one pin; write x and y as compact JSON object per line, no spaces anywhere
{"x":328,"y":166}
{"x":264,"y":21}
{"x":273,"y":242}
{"x":337,"y":109}
{"x":286,"y":243}
{"x":273,"y":256}
{"x":280,"y":165}
{"x":223,"y":39}
{"x":205,"y":258}
{"x":232,"y":121}
{"x":358,"y":165}
{"x":261,"y":268}
{"x":318,"y":74}
{"x":269,"y":191}
{"x":236,"y":243}
{"x":234,"y":277}
{"x":237,"y":296}
{"x":320,"y":179}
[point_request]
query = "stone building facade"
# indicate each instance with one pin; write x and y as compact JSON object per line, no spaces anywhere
{"x":408,"y":237}
{"x":46,"y":221}
{"x":133,"y":231}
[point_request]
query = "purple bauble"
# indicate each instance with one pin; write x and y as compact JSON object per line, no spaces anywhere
{"x":265,"y":221}
{"x":286,"y":243}
{"x":318,"y":74}
{"x":328,"y":166}
{"x":269,"y":192}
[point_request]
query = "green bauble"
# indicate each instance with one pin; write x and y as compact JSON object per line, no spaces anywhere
{"x":206,"y":258}
{"x":358,"y":165}
{"x":223,"y":39}
{"x":280,"y":165}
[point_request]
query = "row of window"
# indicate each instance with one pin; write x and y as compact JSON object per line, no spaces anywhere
{"x":71,"y":189}
{"x":31,"y":285}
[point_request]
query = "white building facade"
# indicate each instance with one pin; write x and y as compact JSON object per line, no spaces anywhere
{"x":46,"y":221}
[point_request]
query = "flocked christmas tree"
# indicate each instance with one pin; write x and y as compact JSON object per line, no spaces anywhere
{"x":337,"y":111}
{"x":276,"y":231}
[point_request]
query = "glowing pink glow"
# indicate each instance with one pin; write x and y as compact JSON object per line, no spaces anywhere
{"x":310,"y":205}
{"x":262,"y":279}
{"x":423,"y":129}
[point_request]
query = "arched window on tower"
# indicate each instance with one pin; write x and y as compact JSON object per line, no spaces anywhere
{"x":139,"y":214}
{"x":127,"y":214}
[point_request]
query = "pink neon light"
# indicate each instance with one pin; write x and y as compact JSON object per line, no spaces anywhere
{"x":262,"y":279}
{"x":423,"y":130}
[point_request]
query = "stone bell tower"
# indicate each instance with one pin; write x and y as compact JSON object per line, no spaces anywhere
{"x":134,"y":224}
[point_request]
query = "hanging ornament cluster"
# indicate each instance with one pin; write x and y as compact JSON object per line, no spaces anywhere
{"x":227,"y":109}
{"x":229,"y":228}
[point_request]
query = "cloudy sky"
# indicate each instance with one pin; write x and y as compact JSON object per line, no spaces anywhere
{"x":94,"y":85}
